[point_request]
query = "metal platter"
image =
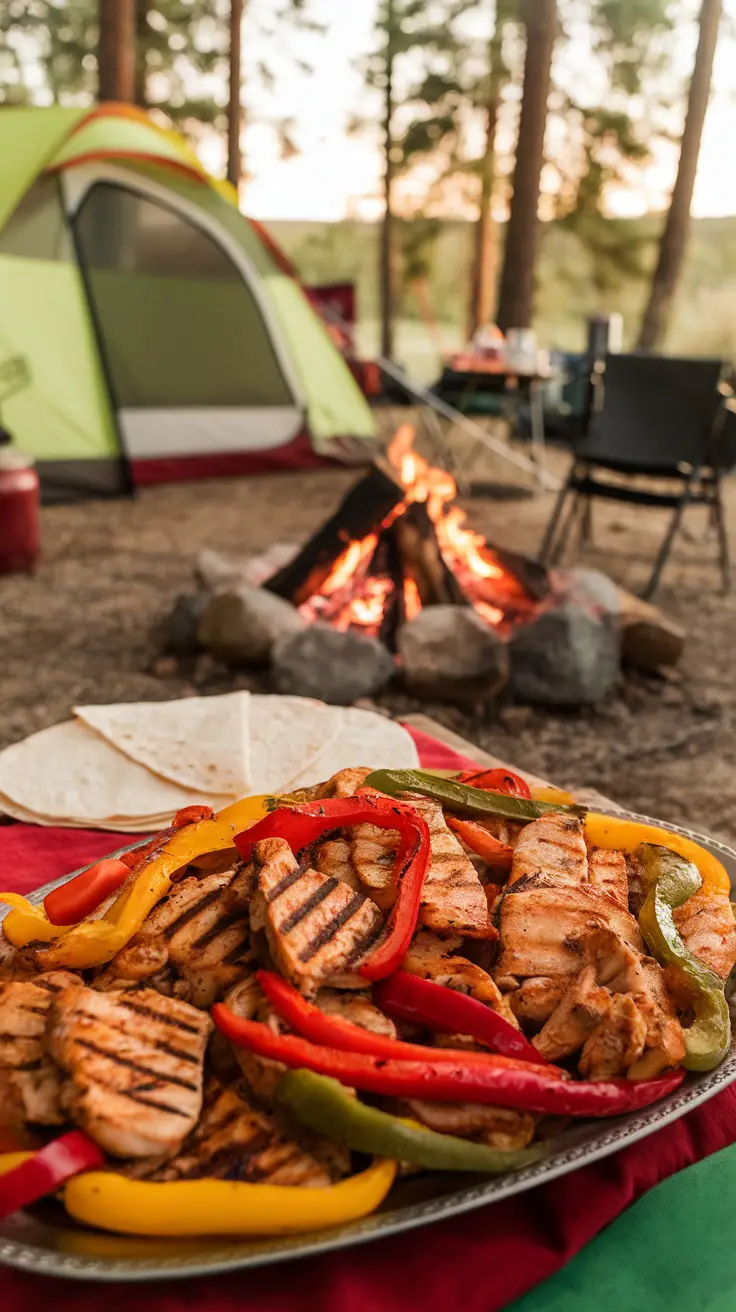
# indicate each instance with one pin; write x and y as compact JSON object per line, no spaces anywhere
{"x":45,"y":1243}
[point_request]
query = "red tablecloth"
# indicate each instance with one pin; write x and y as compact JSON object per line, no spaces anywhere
{"x":479,"y":1262}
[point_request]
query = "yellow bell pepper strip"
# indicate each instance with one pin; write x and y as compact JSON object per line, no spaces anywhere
{"x":94,"y":942}
{"x":222,"y":1207}
{"x":616,"y":832}
{"x":325,"y":1106}
{"x":670,"y":881}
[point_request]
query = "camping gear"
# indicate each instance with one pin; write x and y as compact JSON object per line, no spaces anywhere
{"x":165,"y":338}
{"x":605,"y":336}
{"x":20,"y":533}
{"x":661,"y":418}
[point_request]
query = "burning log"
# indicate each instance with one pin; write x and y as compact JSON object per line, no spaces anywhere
{"x":649,"y":639}
{"x":360,"y":513}
{"x":418,"y":547}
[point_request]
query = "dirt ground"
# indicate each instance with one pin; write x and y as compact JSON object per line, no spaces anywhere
{"x":85,"y":628}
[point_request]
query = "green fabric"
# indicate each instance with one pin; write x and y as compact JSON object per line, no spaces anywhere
{"x":29,"y":139}
{"x":336,"y":406}
{"x":64,"y":414}
{"x":125,"y":136}
{"x":673,"y":1251}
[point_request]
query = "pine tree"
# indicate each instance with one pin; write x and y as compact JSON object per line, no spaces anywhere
{"x":516,"y":295}
{"x":677,"y":224}
{"x":116,"y":50}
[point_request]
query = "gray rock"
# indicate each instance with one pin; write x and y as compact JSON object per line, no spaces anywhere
{"x":217,"y":572}
{"x":593,"y":590}
{"x":567,"y":656}
{"x":450,"y":654}
{"x":179,"y":634}
{"x":335,"y":667}
{"x":241,"y":625}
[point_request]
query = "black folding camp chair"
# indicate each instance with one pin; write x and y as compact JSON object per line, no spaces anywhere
{"x":660,"y":419}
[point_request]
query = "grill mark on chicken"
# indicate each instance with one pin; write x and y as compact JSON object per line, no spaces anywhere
{"x":153,"y":1014}
{"x":286,"y":883}
{"x":190,"y":913}
{"x":314,"y":926}
{"x":304,"y":910}
{"x":131,"y":1065}
{"x":138,"y":1095}
{"x":330,"y":929}
{"x":226,"y":921}
{"x":363,"y":945}
{"x":29,"y":1081}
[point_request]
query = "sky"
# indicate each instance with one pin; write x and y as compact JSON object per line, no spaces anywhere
{"x":337,"y":174}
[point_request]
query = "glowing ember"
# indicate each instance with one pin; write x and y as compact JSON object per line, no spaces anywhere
{"x":367,"y":609}
{"x":493,"y":614}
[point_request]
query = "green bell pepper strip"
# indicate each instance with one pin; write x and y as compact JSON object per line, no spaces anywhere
{"x":462,"y":797}
{"x":670,"y":880}
{"x":325,"y":1106}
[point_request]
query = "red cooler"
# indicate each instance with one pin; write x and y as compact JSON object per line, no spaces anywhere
{"x":19,"y":512}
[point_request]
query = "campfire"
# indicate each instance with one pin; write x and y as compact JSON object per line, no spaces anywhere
{"x":399,"y":542}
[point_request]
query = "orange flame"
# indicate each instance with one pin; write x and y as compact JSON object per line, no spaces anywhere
{"x":352,"y":597}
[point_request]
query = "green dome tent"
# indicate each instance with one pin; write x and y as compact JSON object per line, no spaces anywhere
{"x":160,"y":337}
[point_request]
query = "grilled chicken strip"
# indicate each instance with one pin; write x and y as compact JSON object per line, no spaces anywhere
{"x":708,"y":928}
{"x":453,"y":898}
{"x":262,"y":1074}
{"x":542,"y":927}
{"x":615,"y":1043}
{"x":607,"y":874}
{"x":499,"y":1127}
{"x":583,"y":1006}
{"x":334,"y":859}
{"x":431,"y":958}
{"x":14,"y":965}
{"x":29,"y":1080}
{"x":234,"y":1141}
{"x":554,"y":847}
{"x":318,"y":929}
{"x":535,"y":999}
{"x":356,"y":1008}
{"x":623,"y":970}
{"x":195,"y":944}
{"x":132,"y":1067}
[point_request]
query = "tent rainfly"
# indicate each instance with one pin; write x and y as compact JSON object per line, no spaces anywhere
{"x":160,"y":335}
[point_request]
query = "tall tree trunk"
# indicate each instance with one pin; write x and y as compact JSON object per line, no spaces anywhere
{"x":388,"y":262}
{"x":141,"y":46}
{"x":116,"y":50}
{"x":677,"y":225}
{"x":516,"y":298}
{"x":235,"y":107}
{"x":486,"y":250}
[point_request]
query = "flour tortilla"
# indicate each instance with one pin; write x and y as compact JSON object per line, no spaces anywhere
{"x":362,"y":738}
{"x":69,"y":772}
{"x":199,"y":743}
{"x":287,"y":734}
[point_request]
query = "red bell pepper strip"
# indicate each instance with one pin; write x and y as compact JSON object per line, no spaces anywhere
{"x":311,"y":1023}
{"x":496,"y":781}
{"x":475,"y":836}
{"x":301,"y":826}
{"x":79,"y":897}
{"x":422,"y":1002}
{"x":47,"y":1169}
{"x":499,"y":1081}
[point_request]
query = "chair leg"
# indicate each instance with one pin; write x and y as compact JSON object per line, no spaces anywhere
{"x":564,"y":531}
{"x":720,"y":524}
{"x":549,"y":533}
{"x":669,"y":537}
{"x":586,"y":523}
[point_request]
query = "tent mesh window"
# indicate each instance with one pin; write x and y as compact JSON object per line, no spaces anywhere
{"x":172,"y":309}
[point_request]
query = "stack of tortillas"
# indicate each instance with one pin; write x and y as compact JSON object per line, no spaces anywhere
{"x":131,"y":767}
